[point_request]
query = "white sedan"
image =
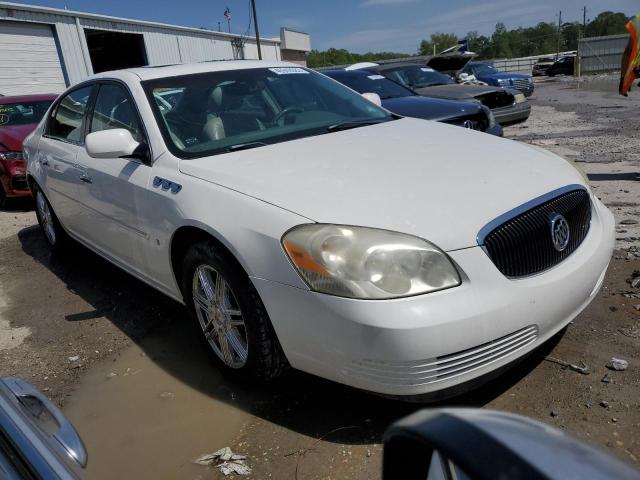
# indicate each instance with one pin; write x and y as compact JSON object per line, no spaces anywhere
{"x":304,"y":226}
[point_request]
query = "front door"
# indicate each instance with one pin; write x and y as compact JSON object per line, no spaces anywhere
{"x":116,"y":189}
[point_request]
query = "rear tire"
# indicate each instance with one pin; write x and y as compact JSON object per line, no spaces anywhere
{"x":231,"y":320}
{"x":54,"y":234}
{"x":3,"y":197}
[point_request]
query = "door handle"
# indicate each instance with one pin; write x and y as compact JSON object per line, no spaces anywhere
{"x":85,"y":179}
{"x":66,"y":435}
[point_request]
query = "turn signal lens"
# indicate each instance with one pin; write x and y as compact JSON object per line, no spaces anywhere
{"x":367,"y":263}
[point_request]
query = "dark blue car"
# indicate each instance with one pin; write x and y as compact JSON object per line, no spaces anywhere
{"x":403,"y":101}
{"x":488,"y":74}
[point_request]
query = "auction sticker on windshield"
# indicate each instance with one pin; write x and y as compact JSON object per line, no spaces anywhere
{"x":375,"y":77}
{"x":287,"y":70}
{"x":427,"y":69}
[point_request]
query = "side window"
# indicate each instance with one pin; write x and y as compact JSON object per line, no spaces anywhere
{"x":66,"y":122}
{"x":114,"y":109}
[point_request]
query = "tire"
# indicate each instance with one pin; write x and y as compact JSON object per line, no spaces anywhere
{"x":3,"y":197}
{"x":227,"y":310}
{"x":55,"y":236}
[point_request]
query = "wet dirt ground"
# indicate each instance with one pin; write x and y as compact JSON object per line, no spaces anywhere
{"x":147,"y":401}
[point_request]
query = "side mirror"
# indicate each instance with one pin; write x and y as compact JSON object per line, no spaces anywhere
{"x":111,"y":144}
{"x":373,"y":98}
{"x":480,"y":444}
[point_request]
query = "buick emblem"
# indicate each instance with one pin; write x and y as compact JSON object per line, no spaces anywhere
{"x":559,"y":231}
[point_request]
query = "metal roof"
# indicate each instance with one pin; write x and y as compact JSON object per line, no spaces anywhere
{"x":95,"y":16}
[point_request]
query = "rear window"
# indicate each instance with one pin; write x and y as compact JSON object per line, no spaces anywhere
{"x":22,"y":113}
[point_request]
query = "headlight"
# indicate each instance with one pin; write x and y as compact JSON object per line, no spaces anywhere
{"x":11,"y":156}
{"x":490,"y":116}
{"x":520,"y":98}
{"x":367,"y":263}
{"x":503,"y":81}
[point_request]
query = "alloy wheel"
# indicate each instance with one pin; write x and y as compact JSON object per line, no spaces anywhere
{"x":46,"y":218}
{"x":220,"y":316}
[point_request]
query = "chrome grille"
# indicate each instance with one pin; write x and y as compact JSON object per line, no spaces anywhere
{"x":423,"y":372}
{"x":523,"y":245}
{"x":522,"y":83}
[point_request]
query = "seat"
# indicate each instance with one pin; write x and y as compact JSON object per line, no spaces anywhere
{"x":214,"y":127}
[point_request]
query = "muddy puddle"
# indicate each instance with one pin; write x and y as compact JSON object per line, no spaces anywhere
{"x":139,"y":420}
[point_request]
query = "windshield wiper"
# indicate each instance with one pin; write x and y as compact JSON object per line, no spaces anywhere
{"x":244,"y":146}
{"x":352,"y":124}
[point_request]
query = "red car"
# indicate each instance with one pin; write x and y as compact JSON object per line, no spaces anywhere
{"x":19,"y":116}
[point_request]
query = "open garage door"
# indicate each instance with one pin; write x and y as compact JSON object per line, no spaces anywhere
{"x":29,"y":60}
{"x":115,"y":50}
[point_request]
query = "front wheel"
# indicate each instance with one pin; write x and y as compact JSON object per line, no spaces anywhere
{"x":230,"y":316}
{"x":55,"y":236}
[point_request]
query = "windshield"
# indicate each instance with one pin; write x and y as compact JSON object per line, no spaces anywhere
{"x":484,"y":69}
{"x":416,"y":77}
{"x":373,"y":83}
{"x":24,"y":113}
{"x":217,"y":112}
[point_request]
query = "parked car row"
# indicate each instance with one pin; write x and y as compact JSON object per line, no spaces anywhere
{"x":507,"y":105}
{"x":404,"y":101}
{"x":304,"y":226}
{"x":551,"y":66}
{"x":407,"y":89}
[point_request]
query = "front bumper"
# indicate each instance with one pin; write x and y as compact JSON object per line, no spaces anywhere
{"x":518,"y":112}
{"x":428,"y":343}
{"x":15,"y":186}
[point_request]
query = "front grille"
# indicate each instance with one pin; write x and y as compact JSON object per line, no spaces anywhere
{"x":445,"y":367}
{"x":19,"y":182}
{"x":522,"y":84}
{"x":496,"y":99}
{"x":523,"y":244}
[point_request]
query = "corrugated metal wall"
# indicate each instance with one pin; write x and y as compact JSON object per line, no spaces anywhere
{"x":522,"y":64}
{"x":164,"y":44}
{"x":601,"y":54}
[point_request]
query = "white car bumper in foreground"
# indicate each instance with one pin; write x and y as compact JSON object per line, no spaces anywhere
{"x":431,"y":342}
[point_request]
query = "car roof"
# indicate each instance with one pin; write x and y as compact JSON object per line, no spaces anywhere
{"x":390,"y":66}
{"x":28,"y":98}
{"x":164,"y":71}
{"x":347,"y":73}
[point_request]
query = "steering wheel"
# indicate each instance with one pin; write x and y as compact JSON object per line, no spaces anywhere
{"x":279,"y":116}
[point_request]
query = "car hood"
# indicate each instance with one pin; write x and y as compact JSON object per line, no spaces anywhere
{"x":430,"y":108}
{"x":11,"y":137}
{"x":451,"y":62}
{"x":432,"y":180}
{"x":457,"y":91}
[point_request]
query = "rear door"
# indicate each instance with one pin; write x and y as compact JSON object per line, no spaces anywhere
{"x":63,"y":139}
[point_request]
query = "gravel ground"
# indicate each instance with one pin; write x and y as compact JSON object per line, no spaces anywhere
{"x":53,"y":310}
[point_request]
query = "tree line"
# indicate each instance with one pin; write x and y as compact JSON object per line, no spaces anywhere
{"x":540,"y":39}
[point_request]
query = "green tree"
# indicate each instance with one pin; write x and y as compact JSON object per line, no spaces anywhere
{"x":440,"y":41}
{"x":335,"y":56}
{"x":607,"y":23}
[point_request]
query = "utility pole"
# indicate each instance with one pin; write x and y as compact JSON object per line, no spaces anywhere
{"x":255,"y":24}
{"x":559,"y":33}
{"x":584,"y":18}
{"x":219,"y":27}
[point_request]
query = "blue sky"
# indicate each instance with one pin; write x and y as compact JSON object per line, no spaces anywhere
{"x":358,"y":25}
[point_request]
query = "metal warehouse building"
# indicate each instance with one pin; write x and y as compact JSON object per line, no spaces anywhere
{"x":43,"y":50}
